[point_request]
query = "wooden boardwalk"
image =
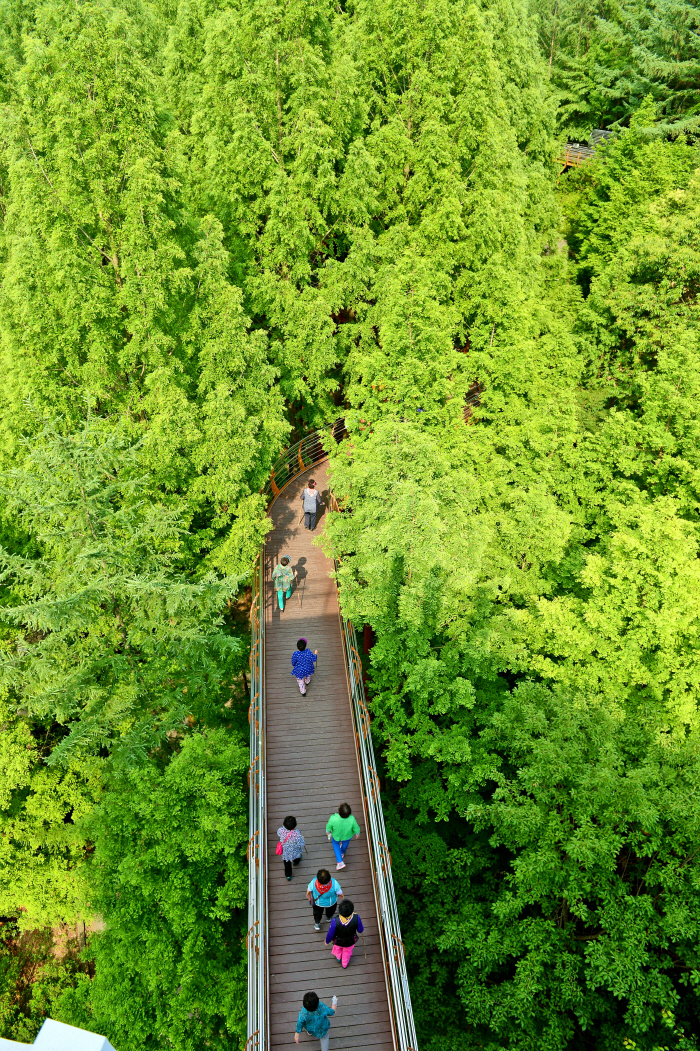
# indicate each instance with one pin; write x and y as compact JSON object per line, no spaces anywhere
{"x":311,"y":768}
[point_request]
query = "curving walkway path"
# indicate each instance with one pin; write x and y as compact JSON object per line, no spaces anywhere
{"x":312,"y":767}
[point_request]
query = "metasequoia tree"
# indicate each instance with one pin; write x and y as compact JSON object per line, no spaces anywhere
{"x":112,"y":288}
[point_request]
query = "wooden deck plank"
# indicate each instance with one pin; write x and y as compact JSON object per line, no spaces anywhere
{"x":372,"y":1034}
{"x":367,"y":992}
{"x":311,"y":767}
{"x":384,"y":1043}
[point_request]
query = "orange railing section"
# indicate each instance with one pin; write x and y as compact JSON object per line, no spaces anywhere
{"x":574,"y":155}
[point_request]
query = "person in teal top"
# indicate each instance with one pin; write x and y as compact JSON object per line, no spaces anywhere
{"x":324,"y":892}
{"x":283,"y":579}
{"x":341,"y":827}
{"x":313,"y":1017}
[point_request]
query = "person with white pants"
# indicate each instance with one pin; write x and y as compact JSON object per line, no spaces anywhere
{"x":313,"y":1017}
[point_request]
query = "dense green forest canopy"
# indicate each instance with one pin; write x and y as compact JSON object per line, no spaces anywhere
{"x":225,"y":223}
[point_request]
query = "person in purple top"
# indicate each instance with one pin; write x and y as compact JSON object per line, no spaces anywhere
{"x":303,"y":662}
{"x":343,"y":931}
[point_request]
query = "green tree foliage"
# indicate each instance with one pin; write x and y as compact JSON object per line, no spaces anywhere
{"x":169,"y":876}
{"x":461,"y":190}
{"x":598,"y":907}
{"x":118,"y":533}
{"x":605,"y":58}
{"x":532,"y":582}
{"x":370,"y":187}
{"x":566,"y":894}
{"x":116,"y":643}
{"x":42,"y":881}
{"x":112,"y":287}
{"x":272,"y":115}
{"x":221,"y":219}
{"x":113,"y":651}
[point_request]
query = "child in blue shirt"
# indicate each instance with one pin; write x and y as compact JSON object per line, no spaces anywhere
{"x":324,"y":893}
{"x":303,"y":662}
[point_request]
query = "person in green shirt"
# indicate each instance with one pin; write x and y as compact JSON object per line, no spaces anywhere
{"x":341,"y":827}
{"x":282,"y":579}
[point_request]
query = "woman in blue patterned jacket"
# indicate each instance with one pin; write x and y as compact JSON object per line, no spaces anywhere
{"x":303,"y":662}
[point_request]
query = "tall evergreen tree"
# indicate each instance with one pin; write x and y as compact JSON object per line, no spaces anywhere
{"x":606,"y":58}
{"x":112,"y":288}
{"x":115,"y":643}
{"x":272,"y":120}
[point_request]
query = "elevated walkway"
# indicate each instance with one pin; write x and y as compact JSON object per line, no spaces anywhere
{"x":308,"y":755}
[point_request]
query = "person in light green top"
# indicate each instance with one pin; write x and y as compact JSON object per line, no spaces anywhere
{"x":283,"y":579}
{"x":341,"y":827}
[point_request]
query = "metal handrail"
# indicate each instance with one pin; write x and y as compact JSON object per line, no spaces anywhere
{"x":389,"y":926}
{"x":574,"y":155}
{"x":303,"y":454}
{"x":297,"y":459}
{"x":256,"y":938}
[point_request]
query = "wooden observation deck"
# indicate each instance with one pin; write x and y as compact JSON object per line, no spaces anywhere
{"x":574,"y":154}
{"x":308,"y":755}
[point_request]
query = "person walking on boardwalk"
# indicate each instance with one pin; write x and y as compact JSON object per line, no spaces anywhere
{"x":292,"y":843}
{"x":341,"y":827}
{"x":303,"y":662}
{"x":343,"y":932}
{"x":324,"y":892}
{"x":313,"y":1017}
{"x":283,"y":579}
{"x":311,"y":501}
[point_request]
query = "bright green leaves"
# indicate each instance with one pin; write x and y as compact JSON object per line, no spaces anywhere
{"x":230,"y":416}
{"x":406,"y":523}
{"x":406,"y":358}
{"x":113,"y":635}
{"x":452,"y":239}
{"x":595,"y":811}
{"x":633,"y":633}
{"x":168,"y":875}
{"x":41,"y":845}
{"x":115,"y":289}
{"x":640,"y":314}
{"x":366,"y":167}
{"x":92,"y":263}
{"x":16,"y":760}
{"x":268,"y":141}
{"x":621,"y":188}
{"x":42,"y":874}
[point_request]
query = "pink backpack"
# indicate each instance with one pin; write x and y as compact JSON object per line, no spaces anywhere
{"x":278,"y":848}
